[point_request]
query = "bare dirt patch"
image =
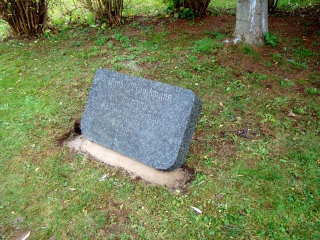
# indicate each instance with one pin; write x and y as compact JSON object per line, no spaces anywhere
{"x":177,"y":179}
{"x":295,"y":28}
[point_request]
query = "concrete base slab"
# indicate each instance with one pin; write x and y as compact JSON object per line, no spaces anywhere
{"x":176,"y":179}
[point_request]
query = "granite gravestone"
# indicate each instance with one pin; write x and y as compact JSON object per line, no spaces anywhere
{"x":148,"y":121}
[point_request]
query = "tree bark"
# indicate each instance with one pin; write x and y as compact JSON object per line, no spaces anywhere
{"x":198,"y":7}
{"x":26,"y":18}
{"x":252,"y":21}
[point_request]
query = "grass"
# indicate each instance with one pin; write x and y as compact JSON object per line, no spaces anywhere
{"x":292,"y":4}
{"x":256,"y":166}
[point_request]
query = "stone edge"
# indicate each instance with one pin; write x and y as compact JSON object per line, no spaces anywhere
{"x":176,"y":179}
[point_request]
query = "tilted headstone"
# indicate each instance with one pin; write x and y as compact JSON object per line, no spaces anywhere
{"x":148,"y":121}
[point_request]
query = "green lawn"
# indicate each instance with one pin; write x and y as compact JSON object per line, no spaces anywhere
{"x":255,"y":153}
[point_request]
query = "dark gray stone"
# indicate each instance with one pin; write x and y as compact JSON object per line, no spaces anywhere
{"x":148,"y":121}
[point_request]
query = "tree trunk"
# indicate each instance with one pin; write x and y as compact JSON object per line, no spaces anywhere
{"x":105,"y":10}
{"x":26,"y":18}
{"x":252,"y":21}
{"x":198,"y":7}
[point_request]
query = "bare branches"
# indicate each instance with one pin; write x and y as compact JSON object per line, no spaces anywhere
{"x":105,"y":10}
{"x":198,"y":7}
{"x":26,"y":18}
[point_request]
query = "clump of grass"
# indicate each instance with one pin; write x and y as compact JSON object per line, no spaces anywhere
{"x":271,"y":39}
{"x":312,"y":91}
{"x":215,"y":34}
{"x":249,"y":50}
{"x":287,"y":83}
{"x":206,"y":45}
{"x":303,"y":52}
{"x":101,"y":40}
{"x":298,"y":64}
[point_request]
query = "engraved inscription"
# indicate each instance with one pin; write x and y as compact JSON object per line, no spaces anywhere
{"x":150,"y":93}
{"x":115,"y":82}
{"x":136,"y":103}
{"x":135,"y":99}
{"x":153,"y":94}
{"x":130,"y":112}
{"x":148,"y":121}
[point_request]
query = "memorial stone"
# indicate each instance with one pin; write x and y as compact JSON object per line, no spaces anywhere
{"x":148,"y":121}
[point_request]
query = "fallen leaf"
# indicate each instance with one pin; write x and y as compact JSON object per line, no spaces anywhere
{"x":197,"y":210}
{"x":291,"y":114}
{"x":103,"y":178}
{"x":243,"y":212}
{"x":26,"y":236}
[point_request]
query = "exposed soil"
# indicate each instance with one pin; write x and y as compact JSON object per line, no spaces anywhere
{"x":177,"y":179}
{"x":300,"y":28}
{"x":76,"y":130}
